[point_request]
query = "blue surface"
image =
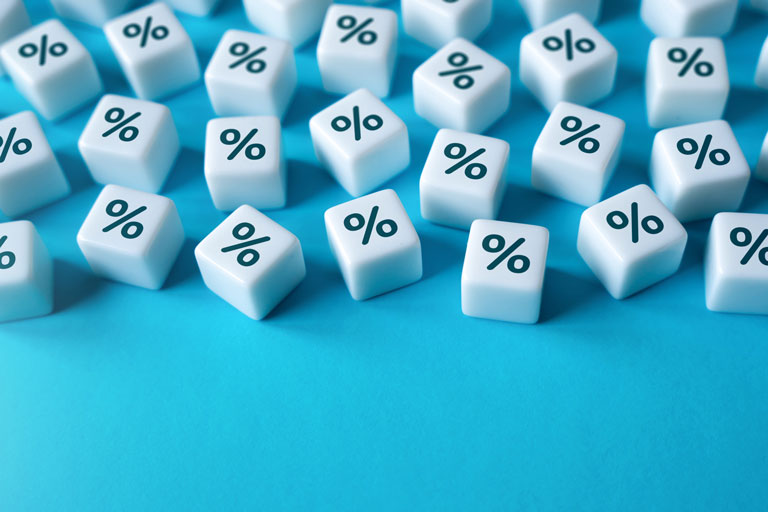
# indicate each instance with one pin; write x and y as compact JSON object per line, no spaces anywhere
{"x":126,"y":399}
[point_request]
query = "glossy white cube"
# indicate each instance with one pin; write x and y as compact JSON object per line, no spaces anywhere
{"x":13,"y":21}
{"x":464,"y":178}
{"x":541,"y":12}
{"x":92,"y":12}
{"x":361,"y":142}
{"x":461,"y":87}
{"x":631,"y":241}
{"x":568,"y":60}
{"x":157,"y":61}
{"x":576,"y":153}
{"x":736,"y":263}
{"x":374,"y":243}
{"x":503,"y":274}
{"x":132,"y":237}
{"x":30,"y":176}
{"x":357,"y":49}
{"x":699,"y":170}
{"x":26,"y":272}
{"x":194,"y":7}
{"x":122,"y":149}
{"x":244,"y":162}
{"x":680,"y":18}
{"x":686,"y":81}
{"x":251,"y":74}
{"x":51,"y":69}
{"x":437,"y":22}
{"x":295,"y":21}
{"x":251,"y":262}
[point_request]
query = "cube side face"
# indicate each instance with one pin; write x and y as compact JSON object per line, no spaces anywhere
{"x":542,"y":13}
{"x":433,"y":104}
{"x":549,"y":90}
{"x":165,"y":248}
{"x":606,"y":266}
{"x":437,"y":23}
{"x":714,"y":20}
{"x":95,"y":12}
{"x":376,"y":277}
{"x":296,"y":21}
{"x":663,"y":18}
{"x":194,"y":7}
{"x":26,"y":277}
{"x":13,"y":21}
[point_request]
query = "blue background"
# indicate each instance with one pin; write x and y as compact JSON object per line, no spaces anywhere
{"x":127,"y":399}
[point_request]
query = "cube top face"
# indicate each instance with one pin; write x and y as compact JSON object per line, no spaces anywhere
{"x":358,"y":32}
{"x":146,"y":34}
{"x":739,"y":246}
{"x":357,"y":124}
{"x":369,"y":228}
{"x":17,"y":240}
{"x":569,"y":46}
{"x":701,"y":154}
{"x":124,"y":126}
{"x":688,"y":64}
{"x":473,"y":165}
{"x":634,"y":224}
{"x":242,"y":146}
{"x":580,"y":137}
{"x":43,"y":52}
{"x":460,"y":71}
{"x":22,"y":144}
{"x":246,"y":245}
{"x":249,"y":59}
{"x":506,"y":255}
{"x":125,"y":220}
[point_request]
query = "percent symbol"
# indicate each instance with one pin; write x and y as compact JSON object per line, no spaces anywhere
{"x":458,"y":60}
{"x":651,"y":224}
{"x":349,"y":24}
{"x":573,"y":124}
{"x":116,"y":116}
{"x":701,"y":68}
{"x":42,"y":50}
{"x":689,"y":146}
{"x":370,"y":123}
{"x":742,"y":237}
{"x":19,"y":147}
{"x":232,"y":137}
{"x":252,"y":64}
{"x":247,"y":256}
{"x":472,"y":170}
{"x":119,"y":210}
{"x":516,"y":263}
{"x":583,"y":45}
{"x":157,"y":33}
{"x":7,"y":258}
{"x":385,"y":228}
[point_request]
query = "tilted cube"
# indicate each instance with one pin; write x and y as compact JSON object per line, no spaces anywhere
{"x":295,"y":21}
{"x":680,"y":18}
{"x":26,"y":272}
{"x":437,"y":23}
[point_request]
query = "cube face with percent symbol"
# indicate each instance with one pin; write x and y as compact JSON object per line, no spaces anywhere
{"x":26,"y":273}
{"x":154,"y":51}
{"x":295,"y":21}
{"x":568,"y":60}
{"x":576,"y":153}
{"x":699,"y":170}
{"x":437,"y":22}
{"x":542,"y":12}
{"x":461,"y":87}
{"x":503,"y":273}
{"x":361,"y":142}
{"x":463,"y":179}
{"x":132,"y":237}
{"x":686,"y":81}
{"x":13,"y":21}
{"x":357,"y":49}
{"x":244,"y":162}
{"x":736,"y":264}
{"x":375,"y":244}
{"x":30,"y":175}
{"x":251,"y":262}
{"x":130,"y":142}
{"x":681,"y":18}
{"x":631,"y":241}
{"x":251,"y":74}
{"x":51,"y":69}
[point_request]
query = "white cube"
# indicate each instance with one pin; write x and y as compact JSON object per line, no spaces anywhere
{"x":576,"y":153}
{"x":251,"y":74}
{"x":541,"y":12}
{"x":13,"y":21}
{"x":296,"y":21}
{"x":51,"y":69}
{"x":736,"y":263}
{"x":154,"y":51}
{"x":361,"y":142}
{"x":357,"y":49}
{"x":631,"y":241}
{"x":680,"y":18}
{"x":244,"y":163}
{"x":437,"y":22}
{"x":699,"y":170}
{"x":130,"y":142}
{"x":26,"y":272}
{"x":761,"y":171}
{"x":251,"y":262}
{"x":30,"y":176}
{"x":686,"y":81}
{"x":194,"y":7}
{"x":462,"y":87}
{"x":568,"y":60}
{"x":464,"y":178}
{"x":132,"y":237}
{"x":761,"y":73}
{"x":93,"y":12}
{"x":375,"y":244}
{"x":503,"y":274}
